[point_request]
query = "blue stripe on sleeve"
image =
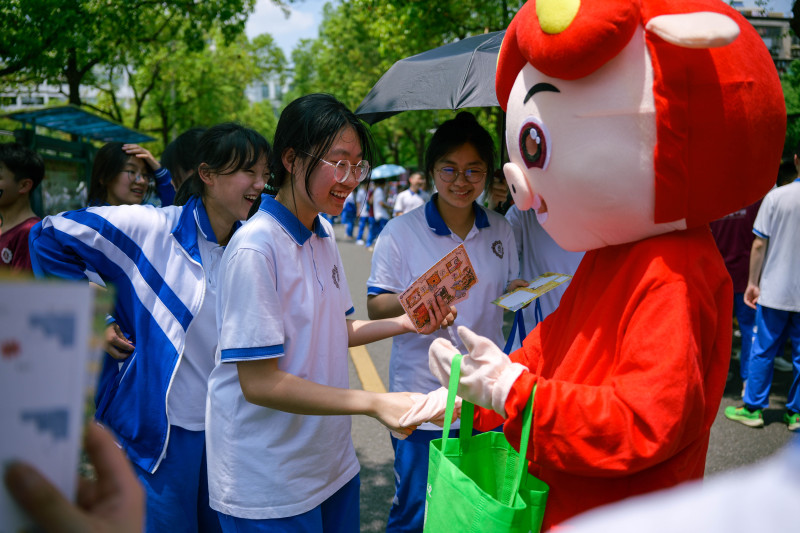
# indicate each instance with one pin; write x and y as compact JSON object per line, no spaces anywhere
{"x":760,"y":234}
{"x":378,"y":290}
{"x":350,"y":311}
{"x":247,"y":354}
{"x":135,"y":253}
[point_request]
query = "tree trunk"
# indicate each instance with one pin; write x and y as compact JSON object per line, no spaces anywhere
{"x":73,"y":76}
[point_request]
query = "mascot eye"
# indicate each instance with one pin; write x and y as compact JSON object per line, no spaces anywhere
{"x":533,"y":144}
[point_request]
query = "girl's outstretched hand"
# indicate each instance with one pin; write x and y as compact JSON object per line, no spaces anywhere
{"x":441,"y":315}
{"x":389,"y":407}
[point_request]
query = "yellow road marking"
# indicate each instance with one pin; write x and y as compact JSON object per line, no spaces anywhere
{"x":365,"y":368}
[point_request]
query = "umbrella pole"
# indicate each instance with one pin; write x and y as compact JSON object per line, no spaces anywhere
{"x":503,"y":150}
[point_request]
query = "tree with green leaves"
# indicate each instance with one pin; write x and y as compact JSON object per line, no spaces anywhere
{"x":64,"y":40}
{"x":359,"y":40}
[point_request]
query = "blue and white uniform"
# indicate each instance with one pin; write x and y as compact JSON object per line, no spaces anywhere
{"x":162,"y":263}
{"x":778,"y":307}
{"x":406,"y":249}
{"x":283,"y":295}
{"x":539,"y":253}
{"x":164,"y":189}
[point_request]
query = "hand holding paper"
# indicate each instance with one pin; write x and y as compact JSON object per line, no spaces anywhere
{"x":487,"y":373}
{"x":430,"y":408}
{"x":112,"y":502}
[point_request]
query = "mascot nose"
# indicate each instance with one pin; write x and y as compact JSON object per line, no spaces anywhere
{"x":524,"y":196}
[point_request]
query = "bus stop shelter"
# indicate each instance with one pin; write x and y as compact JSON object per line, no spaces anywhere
{"x":68,"y":163}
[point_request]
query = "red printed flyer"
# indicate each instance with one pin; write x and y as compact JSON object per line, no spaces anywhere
{"x":451,"y":278}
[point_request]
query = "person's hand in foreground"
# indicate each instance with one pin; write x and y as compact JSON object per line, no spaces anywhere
{"x":113,"y":503}
{"x":487,"y":373}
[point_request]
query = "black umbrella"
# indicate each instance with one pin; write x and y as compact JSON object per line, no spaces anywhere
{"x":453,"y":76}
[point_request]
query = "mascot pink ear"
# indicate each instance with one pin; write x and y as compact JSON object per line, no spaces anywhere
{"x":695,"y":30}
{"x":521,"y":191}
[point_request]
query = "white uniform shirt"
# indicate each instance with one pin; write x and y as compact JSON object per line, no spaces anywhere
{"x":283,"y":294}
{"x":378,"y":198}
{"x":408,"y":200}
{"x":778,"y":220}
{"x":186,"y":400}
{"x":539,"y":253}
{"x":407,"y":248}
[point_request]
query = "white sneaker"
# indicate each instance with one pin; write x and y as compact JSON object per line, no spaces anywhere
{"x":782,"y":365}
{"x":360,"y":242}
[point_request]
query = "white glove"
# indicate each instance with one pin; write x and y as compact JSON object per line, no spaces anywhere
{"x":430,"y":408}
{"x":487,"y":373}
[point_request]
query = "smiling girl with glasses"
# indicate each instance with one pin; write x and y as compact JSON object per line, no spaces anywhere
{"x":124,"y":174}
{"x":277,"y":461}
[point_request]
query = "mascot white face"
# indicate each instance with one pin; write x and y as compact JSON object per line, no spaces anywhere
{"x":627,"y":119}
{"x":581,"y":151}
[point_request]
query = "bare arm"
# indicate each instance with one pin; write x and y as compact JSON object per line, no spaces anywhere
{"x":263,"y":383}
{"x":757,"y":254}
{"x":385,"y":305}
{"x":393,"y":320}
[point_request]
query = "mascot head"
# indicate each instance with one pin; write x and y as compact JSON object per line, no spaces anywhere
{"x":631,"y":118}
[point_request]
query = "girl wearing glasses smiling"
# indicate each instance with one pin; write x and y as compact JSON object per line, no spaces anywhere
{"x":122,"y":175}
{"x":276,"y":461}
{"x":460,"y":159}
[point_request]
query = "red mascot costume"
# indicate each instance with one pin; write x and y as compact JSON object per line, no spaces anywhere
{"x":630,"y":126}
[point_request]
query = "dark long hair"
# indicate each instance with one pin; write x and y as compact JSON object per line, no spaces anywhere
{"x":310,"y":125}
{"x":109,"y":161}
{"x":456,"y":132}
{"x":179,"y":156}
{"x":225,"y":149}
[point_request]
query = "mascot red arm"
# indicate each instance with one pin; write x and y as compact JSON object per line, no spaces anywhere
{"x":630,"y":126}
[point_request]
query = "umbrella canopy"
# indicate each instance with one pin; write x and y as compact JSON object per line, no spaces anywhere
{"x":453,"y":76}
{"x":386,"y":171}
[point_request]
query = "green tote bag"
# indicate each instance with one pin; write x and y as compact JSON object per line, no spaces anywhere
{"x":480,"y":483}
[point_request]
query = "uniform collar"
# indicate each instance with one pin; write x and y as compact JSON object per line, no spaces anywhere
{"x":289,"y":222}
{"x":437,"y":225}
{"x":193,"y":223}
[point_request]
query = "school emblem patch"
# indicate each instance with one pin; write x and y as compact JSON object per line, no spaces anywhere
{"x":6,"y":255}
{"x":497,"y":248}
{"x":335,"y":275}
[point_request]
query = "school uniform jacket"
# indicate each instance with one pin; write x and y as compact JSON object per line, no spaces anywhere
{"x":151,"y":257}
{"x":629,"y":373}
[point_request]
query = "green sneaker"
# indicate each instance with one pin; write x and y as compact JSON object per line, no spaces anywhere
{"x":792,"y":420}
{"x":754,"y":419}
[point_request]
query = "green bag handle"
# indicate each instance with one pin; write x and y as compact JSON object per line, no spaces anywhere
{"x":467,"y":414}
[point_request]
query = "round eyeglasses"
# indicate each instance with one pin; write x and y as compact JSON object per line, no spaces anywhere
{"x":472,"y":175}
{"x":343,"y":168}
{"x":134,"y":176}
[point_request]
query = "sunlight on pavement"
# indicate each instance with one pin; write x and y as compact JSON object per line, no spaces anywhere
{"x":365,"y":368}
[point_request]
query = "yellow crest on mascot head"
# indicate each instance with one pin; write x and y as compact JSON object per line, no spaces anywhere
{"x":628,"y":119}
